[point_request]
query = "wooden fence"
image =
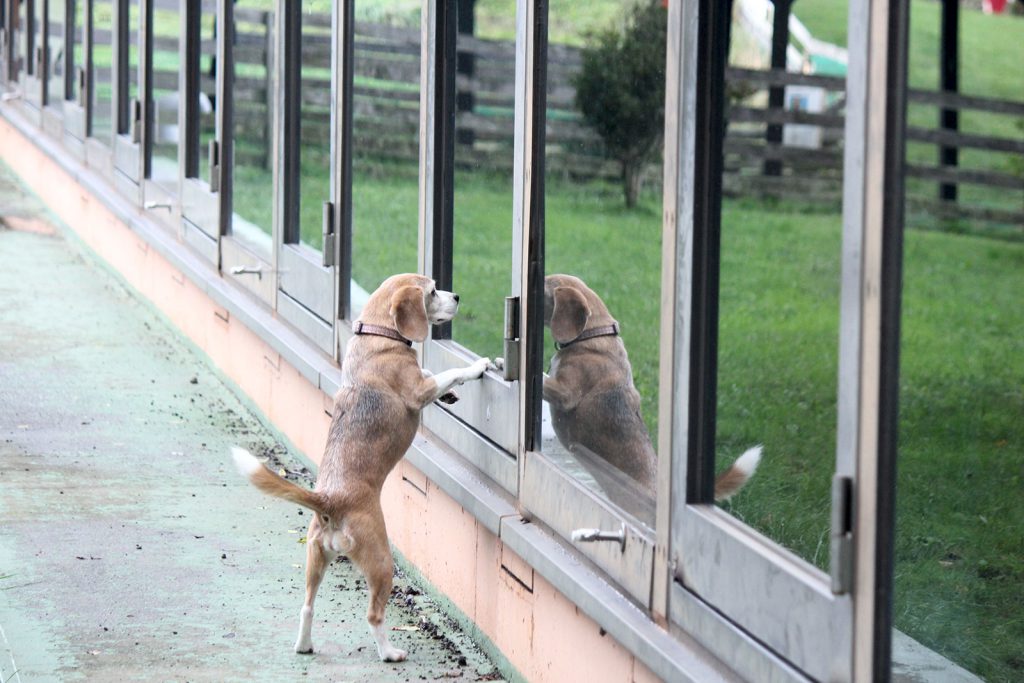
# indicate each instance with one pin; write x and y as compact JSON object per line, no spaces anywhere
{"x":386,"y":110}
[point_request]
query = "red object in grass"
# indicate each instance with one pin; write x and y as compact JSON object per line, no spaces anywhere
{"x":993,"y":6}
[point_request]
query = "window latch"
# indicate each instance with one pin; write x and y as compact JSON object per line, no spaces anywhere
{"x":328,"y":231}
{"x":81,"y":78}
{"x":248,"y":270}
{"x":214,"y":155}
{"x":842,"y":535}
{"x":135,"y":127}
{"x":593,"y":535}
{"x":510,"y":369}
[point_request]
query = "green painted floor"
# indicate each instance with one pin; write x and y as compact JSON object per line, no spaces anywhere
{"x":130,"y":549}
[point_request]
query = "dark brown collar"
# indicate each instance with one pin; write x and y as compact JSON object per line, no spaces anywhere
{"x":359,"y":327}
{"x":606,"y":331}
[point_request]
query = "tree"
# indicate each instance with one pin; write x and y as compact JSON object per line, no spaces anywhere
{"x":620,"y":90}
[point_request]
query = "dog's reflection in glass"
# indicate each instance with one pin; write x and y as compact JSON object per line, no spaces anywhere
{"x":595,"y":407}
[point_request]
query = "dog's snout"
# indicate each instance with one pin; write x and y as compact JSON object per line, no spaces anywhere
{"x":456,"y":297}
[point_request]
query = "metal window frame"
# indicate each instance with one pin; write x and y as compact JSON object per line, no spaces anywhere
{"x":491,"y":440}
{"x":130,"y":116}
{"x":738,"y":593}
{"x":256,"y":272}
{"x":33,"y":81}
{"x":7,"y":43}
{"x":546,"y":492}
{"x":202,"y":203}
{"x":76,"y":107}
{"x":52,"y":114}
{"x":98,"y":150}
{"x":307,"y":296}
{"x":163,"y":199}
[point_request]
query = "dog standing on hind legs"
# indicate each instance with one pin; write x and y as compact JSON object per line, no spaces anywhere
{"x":376,"y":414}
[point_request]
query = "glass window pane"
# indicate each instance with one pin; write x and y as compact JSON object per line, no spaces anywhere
{"x":781,"y":243}
{"x":959,"y":564}
{"x":385,"y":139}
{"x":133,"y":53}
{"x":484,"y":134}
{"x":315,"y":122}
{"x":602,"y":199}
{"x":253,"y":198}
{"x":102,"y":61}
{"x":207,"y":97}
{"x":166,"y":100}
{"x":55,"y":87}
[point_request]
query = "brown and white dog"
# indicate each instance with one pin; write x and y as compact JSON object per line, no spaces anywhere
{"x":376,"y":414}
{"x":595,"y":408}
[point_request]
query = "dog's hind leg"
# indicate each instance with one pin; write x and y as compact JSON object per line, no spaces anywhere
{"x":317,"y":560}
{"x":372,"y":554}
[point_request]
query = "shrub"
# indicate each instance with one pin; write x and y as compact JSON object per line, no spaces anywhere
{"x":620,"y":90}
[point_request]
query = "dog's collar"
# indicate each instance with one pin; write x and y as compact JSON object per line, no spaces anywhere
{"x":359,"y":327}
{"x":606,"y":331}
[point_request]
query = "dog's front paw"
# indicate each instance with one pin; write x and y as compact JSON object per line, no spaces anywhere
{"x":498,"y":365}
{"x":479,"y":367}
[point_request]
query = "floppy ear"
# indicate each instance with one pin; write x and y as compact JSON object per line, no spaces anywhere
{"x":409,"y":312}
{"x":570,"y":314}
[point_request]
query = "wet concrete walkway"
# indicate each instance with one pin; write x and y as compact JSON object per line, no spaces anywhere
{"x":130,"y":549}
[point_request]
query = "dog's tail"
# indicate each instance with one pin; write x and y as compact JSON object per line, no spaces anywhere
{"x":273,"y":484}
{"x":733,"y":479}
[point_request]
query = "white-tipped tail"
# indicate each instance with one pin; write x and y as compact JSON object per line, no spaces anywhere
{"x":749,"y":461}
{"x":739,"y":473}
{"x":245,"y":461}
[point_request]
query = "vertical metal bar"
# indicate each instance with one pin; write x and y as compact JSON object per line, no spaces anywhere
{"x":343,"y":76}
{"x":120,"y":78}
{"x":146,"y":86}
{"x":69,"y":49}
{"x":873,"y":209}
{"x":191,"y":26}
{"x":44,"y":55}
{"x":533,"y":309}
{"x":712,"y":54}
{"x":225,"y":113}
{"x":89,"y":84}
{"x":444,"y":151}
{"x":776,"y":94}
{"x":290,"y":73}
{"x":676,"y":284}
{"x":30,"y":37}
{"x":949,"y":67}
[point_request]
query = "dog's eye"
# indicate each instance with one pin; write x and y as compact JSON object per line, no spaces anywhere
{"x":325,"y":519}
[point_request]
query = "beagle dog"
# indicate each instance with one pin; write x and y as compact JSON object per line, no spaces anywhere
{"x":376,"y":415}
{"x":595,"y":408}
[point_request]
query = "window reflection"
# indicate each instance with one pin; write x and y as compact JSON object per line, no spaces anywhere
{"x":781,"y":245}
{"x":102,"y":65}
{"x":603,"y":255}
{"x":315,"y":122}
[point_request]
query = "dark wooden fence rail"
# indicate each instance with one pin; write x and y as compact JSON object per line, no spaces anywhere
{"x":386,"y":109}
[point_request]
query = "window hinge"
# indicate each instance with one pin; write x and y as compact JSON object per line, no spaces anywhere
{"x":511,"y":347}
{"x":214,"y":154}
{"x":328,"y":229}
{"x":842,"y":534}
{"x":135,"y":127}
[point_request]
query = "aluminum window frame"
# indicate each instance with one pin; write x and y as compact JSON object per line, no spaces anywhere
{"x":76,"y":108}
{"x":738,"y":593}
{"x":486,"y":407}
{"x":239,"y":262}
{"x":202,"y":199}
{"x":99,"y":150}
{"x":307,"y":286}
{"x":130,"y":113}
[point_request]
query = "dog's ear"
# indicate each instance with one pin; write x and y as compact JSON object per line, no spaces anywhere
{"x":569,"y":315}
{"x":409,"y":312}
